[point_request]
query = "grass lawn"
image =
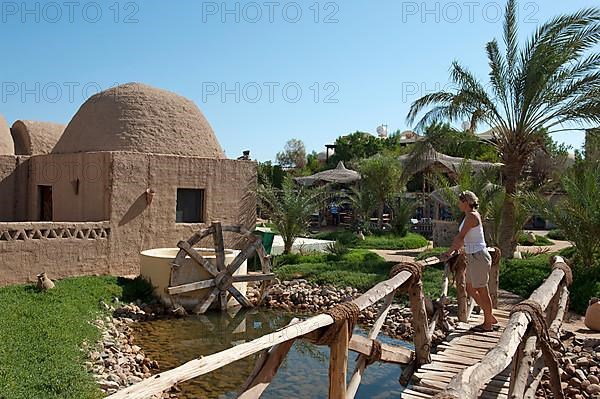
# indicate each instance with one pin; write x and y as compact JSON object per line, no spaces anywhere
{"x":375,"y":241}
{"x":42,"y":333}
{"x":359,"y":268}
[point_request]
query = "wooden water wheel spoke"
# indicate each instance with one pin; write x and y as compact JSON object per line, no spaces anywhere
{"x":192,"y":253}
{"x":222,"y":275}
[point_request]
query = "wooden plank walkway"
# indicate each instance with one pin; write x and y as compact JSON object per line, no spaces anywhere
{"x":461,"y":349}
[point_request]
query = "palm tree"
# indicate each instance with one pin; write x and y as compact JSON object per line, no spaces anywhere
{"x":290,"y":208}
{"x":578,"y":212}
{"x":551,"y":80}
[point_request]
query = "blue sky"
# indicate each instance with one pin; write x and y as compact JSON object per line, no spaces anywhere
{"x":262,"y":72}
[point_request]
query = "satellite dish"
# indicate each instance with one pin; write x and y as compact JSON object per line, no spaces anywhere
{"x":382,"y":131}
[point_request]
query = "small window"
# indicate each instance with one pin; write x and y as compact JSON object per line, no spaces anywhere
{"x":190,"y":205}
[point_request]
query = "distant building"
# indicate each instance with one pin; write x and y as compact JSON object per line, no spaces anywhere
{"x":136,"y":168}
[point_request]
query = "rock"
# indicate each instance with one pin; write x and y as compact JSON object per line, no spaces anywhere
{"x":593,"y":389}
{"x":106,"y":385}
{"x":593,"y":379}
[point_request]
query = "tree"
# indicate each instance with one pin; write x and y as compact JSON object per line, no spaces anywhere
{"x":290,"y":208}
{"x":354,"y":147}
{"x":551,"y":80}
{"x":293,"y":154}
{"x":381,"y":176}
{"x":578,"y":212}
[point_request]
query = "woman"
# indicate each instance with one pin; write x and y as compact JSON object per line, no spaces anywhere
{"x":477,"y":257}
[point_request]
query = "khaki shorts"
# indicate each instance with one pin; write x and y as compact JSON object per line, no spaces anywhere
{"x":478,"y":268}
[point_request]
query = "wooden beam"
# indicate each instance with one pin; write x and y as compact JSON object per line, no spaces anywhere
{"x":338,"y":364}
{"x":389,"y":353}
{"x":206,"y":302}
{"x":521,"y":367}
{"x":361,"y":362}
{"x":555,"y":325}
{"x":180,"y":289}
{"x":419,"y":322}
{"x":191,"y":252}
{"x":220,"y":258}
{"x":243,"y":278}
{"x":494,"y":280}
{"x":239,"y":297}
{"x":265,"y":369}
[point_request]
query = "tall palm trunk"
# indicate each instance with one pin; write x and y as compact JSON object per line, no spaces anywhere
{"x":507,"y":242}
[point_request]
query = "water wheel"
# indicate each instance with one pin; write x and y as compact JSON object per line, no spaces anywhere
{"x":222,"y":277}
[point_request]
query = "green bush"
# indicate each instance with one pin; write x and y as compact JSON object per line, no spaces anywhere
{"x":391,"y":241}
{"x":540,"y":241}
{"x":345,"y":237}
{"x":523,"y":276}
{"x":586,"y":284}
{"x":337,"y":249}
{"x":557,"y":234}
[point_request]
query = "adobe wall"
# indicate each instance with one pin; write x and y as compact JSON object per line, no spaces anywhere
{"x":13,"y":187}
{"x":80,"y":186}
{"x":61,"y":249}
{"x":137,"y":226}
{"x":74,"y":244}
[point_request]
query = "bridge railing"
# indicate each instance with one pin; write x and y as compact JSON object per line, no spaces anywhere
{"x":276,"y":345}
{"x":405,"y":277}
{"x":533,"y":323}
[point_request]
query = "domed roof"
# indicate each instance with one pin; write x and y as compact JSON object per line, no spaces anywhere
{"x":6,"y":142}
{"x":139,"y":118}
{"x":35,"y":138}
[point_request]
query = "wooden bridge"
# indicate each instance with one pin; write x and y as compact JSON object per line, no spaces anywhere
{"x":509,"y":362}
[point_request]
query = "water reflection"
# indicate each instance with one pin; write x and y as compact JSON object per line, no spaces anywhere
{"x":302,"y":375}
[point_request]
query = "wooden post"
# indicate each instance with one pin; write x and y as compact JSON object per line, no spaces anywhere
{"x":338,"y":364}
{"x":362,"y":360}
{"x":553,"y":307}
{"x":439,"y":312}
{"x":419,"y":322}
{"x":521,"y":367}
{"x":220,"y":258}
{"x":461,"y":287}
{"x":554,"y":330}
{"x":494,"y":281}
{"x":265,"y":369}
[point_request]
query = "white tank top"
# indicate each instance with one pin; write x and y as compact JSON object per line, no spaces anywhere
{"x":474,"y":239}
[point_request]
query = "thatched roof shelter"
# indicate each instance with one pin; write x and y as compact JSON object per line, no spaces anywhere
{"x":338,"y":175}
{"x":138,"y":118}
{"x":34,"y":137}
{"x":431,"y":159}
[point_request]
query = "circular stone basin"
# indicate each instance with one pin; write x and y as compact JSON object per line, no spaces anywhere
{"x":155,"y":267}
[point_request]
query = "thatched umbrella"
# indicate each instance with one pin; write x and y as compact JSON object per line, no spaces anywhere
{"x":338,"y":175}
{"x":430,"y":158}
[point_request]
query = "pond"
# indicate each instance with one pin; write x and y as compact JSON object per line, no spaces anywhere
{"x":304,"y":373}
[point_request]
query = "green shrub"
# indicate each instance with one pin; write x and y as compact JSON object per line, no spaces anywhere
{"x":343,"y":236}
{"x":391,"y":241}
{"x":586,"y":284}
{"x":523,"y":276}
{"x":337,"y":249}
{"x":557,"y":234}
